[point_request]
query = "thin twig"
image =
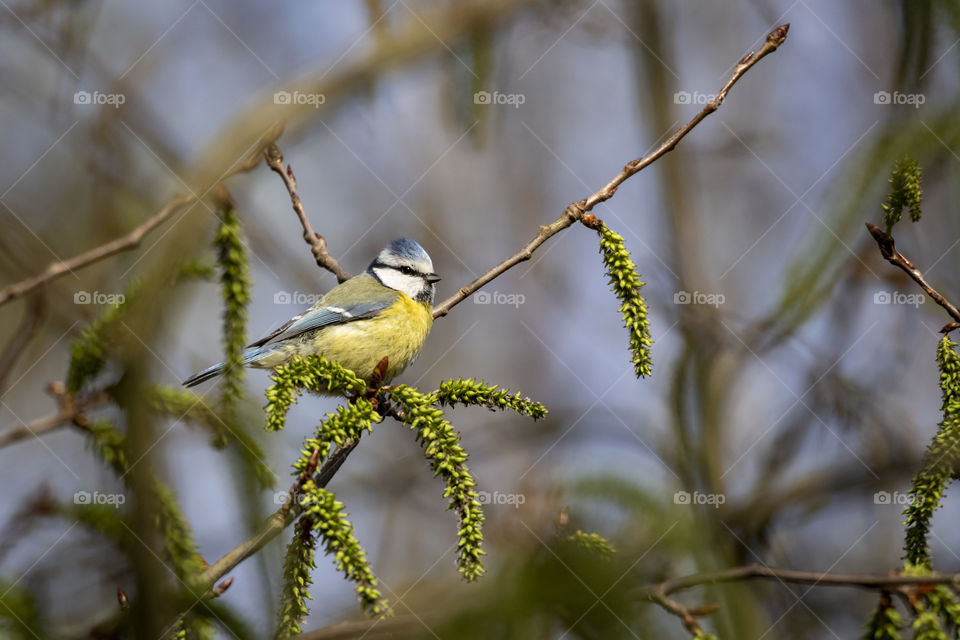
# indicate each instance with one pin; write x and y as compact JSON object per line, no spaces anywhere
{"x":659,"y":593}
{"x":318,"y":244}
{"x":576,"y":211}
{"x":71,"y":411}
{"x":889,"y":252}
{"x":126,"y":242}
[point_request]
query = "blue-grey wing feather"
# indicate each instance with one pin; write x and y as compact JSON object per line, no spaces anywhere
{"x":323,"y":317}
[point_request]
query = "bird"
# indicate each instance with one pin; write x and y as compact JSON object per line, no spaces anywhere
{"x":386,"y":311}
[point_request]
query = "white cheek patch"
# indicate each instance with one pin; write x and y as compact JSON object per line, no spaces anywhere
{"x":410,"y":285}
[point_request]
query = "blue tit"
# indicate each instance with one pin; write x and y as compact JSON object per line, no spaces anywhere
{"x":385,"y":311}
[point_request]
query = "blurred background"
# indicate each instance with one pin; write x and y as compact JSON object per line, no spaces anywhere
{"x":794,"y":373}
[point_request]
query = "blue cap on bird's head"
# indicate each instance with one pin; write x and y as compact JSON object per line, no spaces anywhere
{"x":405,"y":266}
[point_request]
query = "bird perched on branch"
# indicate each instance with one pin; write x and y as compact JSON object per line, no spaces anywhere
{"x":385,"y":311}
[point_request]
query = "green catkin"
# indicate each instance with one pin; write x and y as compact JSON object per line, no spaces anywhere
{"x":313,"y":373}
{"x":448,"y":460}
{"x":906,"y":192}
{"x":330,"y":523}
{"x":940,"y":462}
{"x":626,"y":285}
{"x":297,"y":565}
{"x":476,"y":392}
{"x":235,"y":289}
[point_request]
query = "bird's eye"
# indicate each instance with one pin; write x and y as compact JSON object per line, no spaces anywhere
{"x":407,"y":270}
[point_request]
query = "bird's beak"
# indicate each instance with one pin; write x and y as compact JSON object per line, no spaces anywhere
{"x":432,"y":277}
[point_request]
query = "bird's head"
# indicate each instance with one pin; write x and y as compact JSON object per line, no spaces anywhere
{"x":405,"y":266}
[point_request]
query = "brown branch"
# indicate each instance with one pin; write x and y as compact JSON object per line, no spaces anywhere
{"x":889,"y":252}
{"x":318,"y":244}
{"x":126,"y":242}
{"x":71,"y":411}
{"x":576,"y":211}
{"x":659,"y":593}
{"x":279,"y":520}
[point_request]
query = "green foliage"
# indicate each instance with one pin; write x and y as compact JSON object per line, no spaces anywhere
{"x":626,"y":284}
{"x":940,"y":462}
{"x":328,"y":519}
{"x":184,"y":405}
{"x":476,"y":392}
{"x":448,"y":460}
{"x":178,"y":538}
{"x":19,"y":617}
{"x":592,"y":542}
{"x":109,"y":443}
{"x":296,"y":581}
{"x":235,"y":289}
{"x":347,"y":423}
{"x":88,"y":354}
{"x":885,"y":623}
{"x":905,"y":192}
{"x":926,"y":626}
{"x":313,"y":373}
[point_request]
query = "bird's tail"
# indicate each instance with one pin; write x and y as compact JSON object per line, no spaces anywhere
{"x":250,"y":355}
{"x":203,"y":376}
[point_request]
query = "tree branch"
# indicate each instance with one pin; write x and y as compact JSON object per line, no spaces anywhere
{"x":278,"y":521}
{"x":659,"y":593}
{"x":889,"y":252}
{"x":578,"y":210}
{"x":126,"y":242}
{"x":71,"y":411}
{"x":318,"y":244}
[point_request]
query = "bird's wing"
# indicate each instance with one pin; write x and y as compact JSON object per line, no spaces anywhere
{"x":322,"y":317}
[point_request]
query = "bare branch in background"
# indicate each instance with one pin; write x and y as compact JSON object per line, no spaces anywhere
{"x":903,"y":584}
{"x":71,"y":411}
{"x":124,"y":243}
{"x":318,"y":244}
{"x":577,"y":211}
